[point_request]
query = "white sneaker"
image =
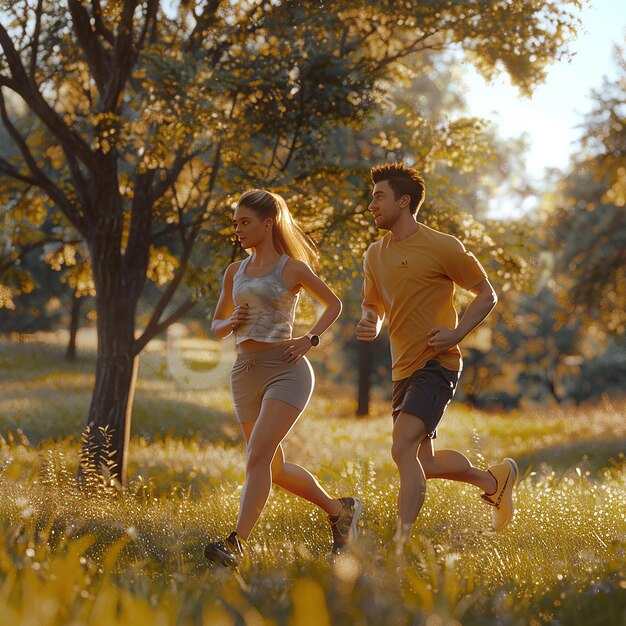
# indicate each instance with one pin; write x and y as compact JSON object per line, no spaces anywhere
{"x":501,"y":499}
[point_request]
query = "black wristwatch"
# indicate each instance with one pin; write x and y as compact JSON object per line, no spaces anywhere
{"x":314,"y":339}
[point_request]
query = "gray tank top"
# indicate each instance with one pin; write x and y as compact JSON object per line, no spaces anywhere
{"x":271,"y":306}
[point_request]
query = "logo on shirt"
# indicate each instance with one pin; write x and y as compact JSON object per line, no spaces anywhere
{"x":404,"y":263}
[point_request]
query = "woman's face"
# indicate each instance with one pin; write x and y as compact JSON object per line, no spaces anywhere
{"x":249,"y":227}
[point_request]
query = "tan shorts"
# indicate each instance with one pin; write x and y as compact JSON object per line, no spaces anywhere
{"x":259,"y":375}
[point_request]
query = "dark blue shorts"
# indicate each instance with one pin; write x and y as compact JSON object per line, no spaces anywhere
{"x":426,"y":394}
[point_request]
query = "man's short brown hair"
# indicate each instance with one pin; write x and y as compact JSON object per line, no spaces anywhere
{"x":403,"y":180}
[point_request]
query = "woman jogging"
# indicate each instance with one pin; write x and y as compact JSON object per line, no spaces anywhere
{"x":272,"y":380}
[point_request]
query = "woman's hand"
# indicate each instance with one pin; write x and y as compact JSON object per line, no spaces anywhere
{"x":239,"y":316}
{"x":296,"y":349}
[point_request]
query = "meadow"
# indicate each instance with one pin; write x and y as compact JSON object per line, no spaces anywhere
{"x":71,"y":557}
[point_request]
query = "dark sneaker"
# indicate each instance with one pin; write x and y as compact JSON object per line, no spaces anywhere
{"x":501,"y":500}
{"x":226,"y":552}
{"x":344,"y":525}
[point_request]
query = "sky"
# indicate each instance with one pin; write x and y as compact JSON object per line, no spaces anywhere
{"x":557,"y":106}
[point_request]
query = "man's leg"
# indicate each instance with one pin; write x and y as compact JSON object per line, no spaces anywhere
{"x":497,"y":483}
{"x":453,"y":465}
{"x":409,"y":432}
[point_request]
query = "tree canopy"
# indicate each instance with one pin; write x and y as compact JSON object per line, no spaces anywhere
{"x":132,"y":126}
{"x":589,"y":230}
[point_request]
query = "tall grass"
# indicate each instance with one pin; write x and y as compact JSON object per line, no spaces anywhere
{"x":71,"y":556}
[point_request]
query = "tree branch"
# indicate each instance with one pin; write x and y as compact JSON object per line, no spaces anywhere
{"x":5,"y":81}
{"x":179,"y":212}
{"x":142,"y":341}
{"x":292,"y":148}
{"x":141,"y":218}
{"x":124,"y":57}
{"x":40,"y":178}
{"x":11,"y":171}
{"x":151,"y":13}
{"x":16,"y":68}
{"x":26,"y":87}
{"x":270,"y":165}
{"x":410,"y":49}
{"x":203,"y":23}
{"x":82,"y":186}
{"x":283,"y":166}
{"x":199,"y":220}
{"x":250,"y":26}
{"x":101,"y":28}
{"x":35,"y":41}
{"x":174,"y":172}
{"x":99,"y":60}
{"x":154,"y":326}
{"x":33,"y":246}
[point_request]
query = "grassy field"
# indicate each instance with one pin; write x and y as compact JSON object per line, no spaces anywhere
{"x":70,"y":557}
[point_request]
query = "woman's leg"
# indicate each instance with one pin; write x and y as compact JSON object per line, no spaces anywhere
{"x":287,"y":475}
{"x":271,"y":427}
{"x":275,"y":420}
{"x":300,"y":482}
{"x":297,"y":480}
{"x":453,"y":465}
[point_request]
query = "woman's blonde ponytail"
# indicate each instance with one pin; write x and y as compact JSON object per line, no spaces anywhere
{"x":287,"y":236}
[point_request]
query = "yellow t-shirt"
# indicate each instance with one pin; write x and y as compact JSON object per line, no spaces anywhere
{"x":412,"y":283}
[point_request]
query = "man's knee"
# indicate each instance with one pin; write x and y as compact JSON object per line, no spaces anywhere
{"x":408,"y":433}
{"x":428,"y":468}
{"x":401,"y":450}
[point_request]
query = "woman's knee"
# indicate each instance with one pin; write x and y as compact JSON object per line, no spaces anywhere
{"x":258,"y":459}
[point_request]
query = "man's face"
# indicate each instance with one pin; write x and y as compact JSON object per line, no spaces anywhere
{"x":384,"y":207}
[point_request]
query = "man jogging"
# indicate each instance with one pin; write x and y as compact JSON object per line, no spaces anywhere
{"x":409,"y":278}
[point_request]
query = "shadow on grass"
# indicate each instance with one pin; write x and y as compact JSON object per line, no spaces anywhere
{"x":157,"y":417}
{"x":47,"y":397}
{"x":588,"y":456}
{"x":27,"y":360}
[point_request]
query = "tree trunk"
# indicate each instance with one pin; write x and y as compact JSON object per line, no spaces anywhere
{"x":551,"y":382}
{"x":114,"y":388}
{"x":116,"y":371}
{"x":364,"y":385}
{"x":110,"y":412}
{"x":70,"y":354}
{"x":119,"y":277}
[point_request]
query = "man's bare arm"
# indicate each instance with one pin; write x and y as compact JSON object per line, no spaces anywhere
{"x":441,"y":338}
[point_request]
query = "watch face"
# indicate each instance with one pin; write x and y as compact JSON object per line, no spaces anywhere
{"x":315,"y":340}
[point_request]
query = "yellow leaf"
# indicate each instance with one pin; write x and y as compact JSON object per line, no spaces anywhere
{"x":309,"y":604}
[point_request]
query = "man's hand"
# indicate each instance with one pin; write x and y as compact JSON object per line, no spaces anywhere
{"x":369,"y":327}
{"x":441,"y":338}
